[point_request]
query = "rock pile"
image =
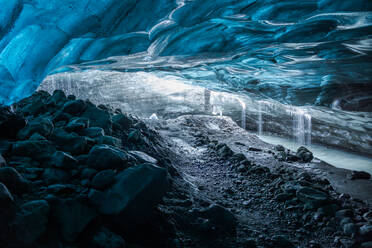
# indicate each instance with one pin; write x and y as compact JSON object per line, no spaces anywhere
{"x":74,"y":173}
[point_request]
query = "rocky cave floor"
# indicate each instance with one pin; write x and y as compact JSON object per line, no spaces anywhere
{"x":73,"y":174}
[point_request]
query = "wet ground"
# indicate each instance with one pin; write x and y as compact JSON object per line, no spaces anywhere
{"x":249,"y":189}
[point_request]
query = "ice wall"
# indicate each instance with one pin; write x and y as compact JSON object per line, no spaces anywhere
{"x":299,"y":52}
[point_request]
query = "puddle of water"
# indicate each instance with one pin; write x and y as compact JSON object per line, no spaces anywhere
{"x":337,"y":158}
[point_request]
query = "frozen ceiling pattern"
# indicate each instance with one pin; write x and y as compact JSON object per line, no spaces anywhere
{"x":297,"y":52}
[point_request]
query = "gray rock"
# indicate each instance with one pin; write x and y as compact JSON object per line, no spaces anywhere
{"x":143,"y":157}
{"x":13,"y":180}
{"x":74,"y":107}
{"x":51,"y":176}
{"x":344,"y":213}
{"x":72,"y":217}
{"x":98,"y":118}
{"x":42,"y":126}
{"x":103,"y":157}
{"x":103,"y":179}
{"x":135,"y":192}
{"x":366,"y":232}
{"x":224,"y":151}
{"x":40,"y":150}
{"x":221,"y":218}
{"x":63,"y":160}
{"x":312,"y":198}
{"x":31,"y":222}
{"x":104,"y":238}
{"x":304,"y":154}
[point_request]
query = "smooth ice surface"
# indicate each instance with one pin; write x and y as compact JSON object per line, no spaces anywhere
{"x":337,"y":158}
{"x":298,"y":52}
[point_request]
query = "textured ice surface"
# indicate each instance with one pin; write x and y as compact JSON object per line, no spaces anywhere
{"x":148,"y":93}
{"x":299,"y":52}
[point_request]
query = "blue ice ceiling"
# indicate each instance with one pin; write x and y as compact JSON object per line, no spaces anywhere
{"x":298,"y":52}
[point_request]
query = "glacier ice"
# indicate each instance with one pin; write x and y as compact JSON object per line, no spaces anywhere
{"x":298,"y":52}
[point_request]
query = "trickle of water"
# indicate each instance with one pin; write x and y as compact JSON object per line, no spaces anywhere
{"x":259,"y":118}
{"x":244,"y":107}
{"x":301,"y":125}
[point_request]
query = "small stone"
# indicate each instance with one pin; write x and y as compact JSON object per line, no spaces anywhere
{"x":40,"y":150}
{"x":283,"y":197}
{"x":304,"y":154}
{"x":98,"y":118}
{"x":279,"y":148}
{"x":93,"y":132}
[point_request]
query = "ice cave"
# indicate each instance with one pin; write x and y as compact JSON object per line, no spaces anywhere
{"x":186,"y":123}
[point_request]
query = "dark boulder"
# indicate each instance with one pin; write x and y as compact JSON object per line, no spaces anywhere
{"x":360,"y":175}
{"x":98,"y":118}
{"x":134,"y":136}
{"x":312,"y":198}
{"x":33,"y":105}
{"x":10,"y":127}
{"x":121,"y":122}
{"x":219,"y":218}
{"x":31,"y":222}
{"x":304,"y":154}
{"x":13,"y":180}
{"x":74,"y":107}
{"x":104,"y":238}
{"x":51,"y":176}
{"x":108,"y":140}
{"x":40,"y":150}
{"x":279,"y":148}
{"x":42,"y":126}
{"x":103,"y":157}
{"x":69,"y":142}
{"x":57,"y":99}
{"x":2,"y":162}
{"x":131,"y":198}
{"x":63,"y":160}
{"x":77,"y":124}
{"x":281,"y":241}
{"x":366,"y":232}
{"x":93,"y":132}
{"x":7,"y":206}
{"x":71,"y":216}
{"x":103,"y":179}
{"x":88,"y":173}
